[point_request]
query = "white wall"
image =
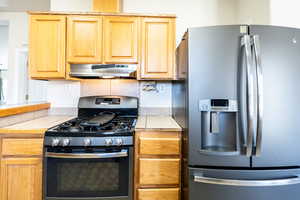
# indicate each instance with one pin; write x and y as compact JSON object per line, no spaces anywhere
{"x":254,"y":11}
{"x":71,"y":5}
{"x":285,"y":13}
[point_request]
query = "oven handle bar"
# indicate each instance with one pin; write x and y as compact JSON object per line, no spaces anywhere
{"x":123,"y":153}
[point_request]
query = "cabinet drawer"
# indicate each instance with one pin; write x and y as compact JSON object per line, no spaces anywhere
{"x":30,"y":147}
{"x":159,"y":171}
{"x":159,"y":146}
{"x":158,"y":194}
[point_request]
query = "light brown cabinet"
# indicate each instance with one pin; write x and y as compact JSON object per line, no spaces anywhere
{"x":84,"y":39}
{"x":159,"y":171}
{"x":158,"y":194}
{"x":107,"y":5}
{"x":157,"y":165}
{"x":157,"y":48}
{"x":57,"y":40}
{"x":47,"y":46}
{"x":21,"y":169}
{"x":21,"y":178}
{"x":182,"y":59}
{"x":121,"y":39}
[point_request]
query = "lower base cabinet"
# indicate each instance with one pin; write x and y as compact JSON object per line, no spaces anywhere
{"x":159,"y":194}
{"x":21,"y":168}
{"x":157,"y":165}
{"x":21,"y":179}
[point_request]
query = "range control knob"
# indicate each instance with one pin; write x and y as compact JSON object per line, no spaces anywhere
{"x":108,"y":142}
{"x":87,"y":142}
{"x":65,"y":142}
{"x":55,"y":142}
{"x":119,"y":141}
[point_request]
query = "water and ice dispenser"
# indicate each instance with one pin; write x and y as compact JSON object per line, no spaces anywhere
{"x":219,"y":126}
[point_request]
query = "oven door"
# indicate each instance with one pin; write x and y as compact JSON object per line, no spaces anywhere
{"x":97,"y":175}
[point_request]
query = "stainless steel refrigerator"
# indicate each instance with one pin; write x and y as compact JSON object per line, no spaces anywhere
{"x":237,"y":97}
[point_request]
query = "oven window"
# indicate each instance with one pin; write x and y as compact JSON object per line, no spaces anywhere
{"x":87,"y":177}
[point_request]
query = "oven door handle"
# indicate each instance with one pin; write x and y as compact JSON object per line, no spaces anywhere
{"x":123,"y":153}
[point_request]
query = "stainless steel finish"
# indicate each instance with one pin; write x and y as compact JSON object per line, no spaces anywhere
{"x":259,"y":76}
{"x":87,"y":142}
{"x":86,"y":71}
{"x":205,"y":105}
{"x":224,"y":152}
{"x":246,"y":42}
{"x":247,"y":183}
{"x":119,"y":141}
{"x":95,"y":141}
{"x":65,"y":142}
{"x":55,"y":142}
{"x":214,"y":122}
{"x":108,"y":142}
{"x":122,"y":153}
{"x":125,"y":102}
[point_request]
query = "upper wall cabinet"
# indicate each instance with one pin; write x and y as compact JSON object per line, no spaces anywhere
{"x":121,"y":39}
{"x":84,"y":39}
{"x":47,"y":46}
{"x":158,"y":48}
{"x":58,"y":40}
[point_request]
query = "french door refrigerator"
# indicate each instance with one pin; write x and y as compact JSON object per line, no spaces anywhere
{"x":237,"y":98}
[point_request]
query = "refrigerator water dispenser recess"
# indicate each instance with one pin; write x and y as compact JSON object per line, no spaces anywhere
{"x":219,"y":126}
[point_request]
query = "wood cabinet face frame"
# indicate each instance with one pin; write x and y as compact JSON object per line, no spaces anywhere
{"x":169,"y":160}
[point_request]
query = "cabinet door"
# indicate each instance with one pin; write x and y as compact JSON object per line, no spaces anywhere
{"x":21,"y":178}
{"x":120,"y":39}
{"x":159,"y":143}
{"x":158,"y":194}
{"x":159,"y":171}
{"x":158,"y":48}
{"x":47,"y":46}
{"x":84,"y":39}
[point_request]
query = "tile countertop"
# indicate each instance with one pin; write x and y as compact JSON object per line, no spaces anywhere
{"x":157,"y":123}
{"x":34,"y":127}
{"x":40,"y":125}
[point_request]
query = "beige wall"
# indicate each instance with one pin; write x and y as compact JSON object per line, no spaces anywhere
{"x":253,"y":11}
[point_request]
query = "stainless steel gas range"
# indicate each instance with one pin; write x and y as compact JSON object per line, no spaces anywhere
{"x":91,"y":156}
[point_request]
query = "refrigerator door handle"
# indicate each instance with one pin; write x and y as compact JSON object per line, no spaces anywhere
{"x":259,"y":76}
{"x":250,"y":102}
{"x":247,"y":183}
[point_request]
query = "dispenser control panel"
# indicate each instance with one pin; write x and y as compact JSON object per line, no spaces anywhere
{"x":218,"y":105}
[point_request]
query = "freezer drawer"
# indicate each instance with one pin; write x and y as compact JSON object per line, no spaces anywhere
{"x":215,"y":184}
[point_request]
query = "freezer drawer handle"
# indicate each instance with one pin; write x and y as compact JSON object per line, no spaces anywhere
{"x":248,"y":183}
{"x":123,"y":153}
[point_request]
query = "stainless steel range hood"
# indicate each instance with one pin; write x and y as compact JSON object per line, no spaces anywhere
{"x":103,"y":71}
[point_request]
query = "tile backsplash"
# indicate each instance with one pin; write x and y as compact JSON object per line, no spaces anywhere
{"x":65,"y":94}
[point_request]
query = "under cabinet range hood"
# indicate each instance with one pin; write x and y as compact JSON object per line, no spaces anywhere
{"x":103,"y":70}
